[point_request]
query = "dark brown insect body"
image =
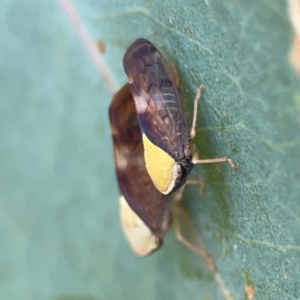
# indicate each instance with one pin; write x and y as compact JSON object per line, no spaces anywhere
{"x":135,"y":185}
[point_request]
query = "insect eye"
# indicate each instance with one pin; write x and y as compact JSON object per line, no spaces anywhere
{"x":180,"y":174}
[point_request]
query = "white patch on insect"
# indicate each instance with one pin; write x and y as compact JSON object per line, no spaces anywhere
{"x":141,"y":102}
{"x":130,"y":80}
{"x":167,"y":121}
{"x":122,"y":160}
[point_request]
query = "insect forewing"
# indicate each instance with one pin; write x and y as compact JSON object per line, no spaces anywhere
{"x":157,"y":99}
{"x":135,"y":185}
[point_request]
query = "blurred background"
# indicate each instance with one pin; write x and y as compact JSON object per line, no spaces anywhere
{"x":60,"y":236}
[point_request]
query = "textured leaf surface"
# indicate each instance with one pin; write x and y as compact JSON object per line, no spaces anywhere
{"x":60,"y":236}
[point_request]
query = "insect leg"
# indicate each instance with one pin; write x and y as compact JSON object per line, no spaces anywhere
{"x":196,"y":246}
{"x":179,"y":194}
{"x":216,"y":160}
{"x":196,"y":101}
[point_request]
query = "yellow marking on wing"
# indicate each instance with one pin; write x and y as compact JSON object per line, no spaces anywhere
{"x":140,"y":237}
{"x":159,"y":165}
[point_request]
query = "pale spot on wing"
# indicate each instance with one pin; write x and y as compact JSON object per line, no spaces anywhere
{"x":167,"y":120}
{"x":130,"y":80}
{"x":122,"y":161}
{"x":141,"y":103}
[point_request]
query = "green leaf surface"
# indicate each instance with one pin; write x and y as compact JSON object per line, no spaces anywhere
{"x":60,"y":235}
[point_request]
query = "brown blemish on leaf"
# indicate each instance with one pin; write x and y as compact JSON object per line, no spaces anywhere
{"x":189,"y":31}
{"x":101,"y":46}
